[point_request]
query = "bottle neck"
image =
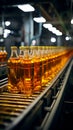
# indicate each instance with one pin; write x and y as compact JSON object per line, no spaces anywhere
{"x":26,"y":53}
{"x":14,"y":53}
{"x":34,"y":54}
{"x":21,"y":54}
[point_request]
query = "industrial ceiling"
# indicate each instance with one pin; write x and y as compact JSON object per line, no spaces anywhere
{"x":58,"y":12}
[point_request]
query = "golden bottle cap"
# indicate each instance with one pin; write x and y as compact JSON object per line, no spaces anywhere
{"x":33,"y":47}
{"x":13,"y":47}
{"x":21,"y":47}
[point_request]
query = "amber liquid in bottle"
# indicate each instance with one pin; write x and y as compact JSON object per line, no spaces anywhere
{"x":37,"y":69}
{"x":27,"y":66}
{"x":1,"y":55}
{"x":4,"y":54}
{"x":43,"y":59}
{"x":45,"y":63}
{"x":49,"y":64}
{"x":14,"y":78}
{"x":52,"y":63}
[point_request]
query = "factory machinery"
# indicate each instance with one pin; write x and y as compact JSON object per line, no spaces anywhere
{"x":40,"y":111}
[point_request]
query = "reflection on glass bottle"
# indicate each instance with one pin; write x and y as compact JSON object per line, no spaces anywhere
{"x":3,"y":63}
{"x":27,"y":67}
{"x":1,"y":54}
{"x":37,"y":68}
{"x":14,"y":78}
{"x":4,"y":54}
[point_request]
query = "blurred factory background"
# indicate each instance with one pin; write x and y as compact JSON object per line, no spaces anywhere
{"x":19,"y":27}
{"x":40,"y":23}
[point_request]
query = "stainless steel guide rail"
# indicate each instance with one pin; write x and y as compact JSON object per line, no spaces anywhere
{"x":36,"y":112}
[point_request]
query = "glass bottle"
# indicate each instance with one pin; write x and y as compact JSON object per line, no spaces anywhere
{"x":21,"y":57}
{"x":45,"y":65}
{"x":37,"y":68}
{"x":42,"y":49}
{"x":21,"y":51}
{"x":4,"y":54}
{"x":14,"y":78}
{"x":27,"y":66}
{"x":1,"y":55}
{"x":4,"y":63}
{"x":50,"y":65}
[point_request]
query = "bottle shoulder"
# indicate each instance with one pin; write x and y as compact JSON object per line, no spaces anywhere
{"x":13,"y":60}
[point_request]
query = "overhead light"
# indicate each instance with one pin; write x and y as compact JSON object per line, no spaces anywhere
{"x":26,"y":8}
{"x":50,"y":27}
{"x":7,"y":23}
{"x":39,"y":19}
{"x":72,"y":21}
{"x":33,"y":43}
{"x":1,"y":40}
{"x":67,"y":38}
{"x":53,"y":39}
{"x":53,"y":29}
{"x":58,"y":33}
{"x":47,"y":25}
{"x":6,"y":32}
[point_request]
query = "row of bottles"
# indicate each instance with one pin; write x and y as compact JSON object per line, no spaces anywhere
{"x":35,"y":66}
{"x":3,"y":68}
{"x":3,"y":55}
{"x":3,"y":62}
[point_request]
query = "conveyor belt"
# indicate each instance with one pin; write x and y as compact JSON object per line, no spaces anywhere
{"x":37,"y":111}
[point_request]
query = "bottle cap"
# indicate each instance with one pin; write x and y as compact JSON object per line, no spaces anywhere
{"x":21,"y":47}
{"x":13,"y":47}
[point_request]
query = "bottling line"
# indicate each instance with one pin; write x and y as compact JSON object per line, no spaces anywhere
{"x":39,"y":111}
